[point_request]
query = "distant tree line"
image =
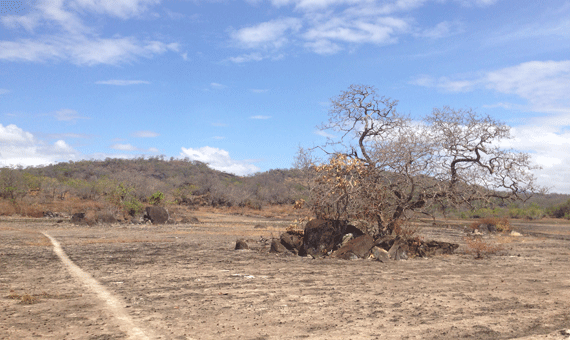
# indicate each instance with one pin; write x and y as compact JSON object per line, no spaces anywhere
{"x":130,"y":184}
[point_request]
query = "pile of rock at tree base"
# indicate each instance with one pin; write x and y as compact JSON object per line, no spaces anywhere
{"x":339,"y":239}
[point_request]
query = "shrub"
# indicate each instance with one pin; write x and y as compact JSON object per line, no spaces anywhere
{"x":501,"y":223}
{"x":156,"y":198}
{"x":481,"y":248}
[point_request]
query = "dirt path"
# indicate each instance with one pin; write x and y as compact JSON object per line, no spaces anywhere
{"x":114,"y":306}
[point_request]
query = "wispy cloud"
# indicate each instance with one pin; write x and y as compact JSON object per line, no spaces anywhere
{"x":330,"y":26}
{"x":68,"y":38}
{"x":4,"y":91}
{"x":270,"y":34}
{"x":217,"y":86}
{"x":68,"y":135}
{"x":220,"y":160}
{"x":260,"y":117}
{"x":324,"y":134}
{"x":120,"y":82}
{"x":68,"y":115}
{"x":258,"y":90}
{"x":543,"y":86}
{"x":145,"y":134}
{"x":123,"y":147}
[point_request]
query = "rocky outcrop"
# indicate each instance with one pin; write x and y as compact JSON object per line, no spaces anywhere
{"x":323,"y":236}
{"x":359,"y":247}
{"x":292,"y":240}
{"x":157,"y":215}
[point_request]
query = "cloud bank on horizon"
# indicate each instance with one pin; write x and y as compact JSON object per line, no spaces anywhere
{"x":240,"y":85}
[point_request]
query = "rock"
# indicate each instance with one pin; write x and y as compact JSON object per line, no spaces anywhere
{"x":438,"y":248}
{"x":515,"y":233}
{"x":346,"y":238}
{"x":380,"y":254}
{"x":350,"y":256}
{"x":292,"y":240}
{"x":322,"y":236}
{"x":492,"y":228}
{"x":78,"y":218}
{"x":398,"y":250}
{"x":483,"y":228}
{"x":190,"y":219}
{"x":359,"y":246}
{"x":277,"y":247}
{"x":241,"y":244}
{"x":157,"y":215}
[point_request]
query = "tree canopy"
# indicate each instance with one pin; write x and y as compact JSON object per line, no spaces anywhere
{"x":384,"y":166}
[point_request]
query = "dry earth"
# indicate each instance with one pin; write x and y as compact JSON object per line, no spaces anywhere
{"x":186,"y":282}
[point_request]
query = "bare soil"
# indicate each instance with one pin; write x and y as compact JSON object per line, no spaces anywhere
{"x":186,"y":282}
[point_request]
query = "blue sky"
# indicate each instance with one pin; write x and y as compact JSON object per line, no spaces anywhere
{"x":241,"y":84}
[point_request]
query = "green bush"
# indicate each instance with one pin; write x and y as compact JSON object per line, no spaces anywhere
{"x":133,"y":206}
{"x":156,"y":198}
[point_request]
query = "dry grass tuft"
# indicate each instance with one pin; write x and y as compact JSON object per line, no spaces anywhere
{"x":481,"y":248}
{"x":501,"y":223}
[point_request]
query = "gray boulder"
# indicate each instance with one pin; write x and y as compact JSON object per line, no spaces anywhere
{"x":277,"y":247}
{"x":360,"y":247}
{"x":380,"y":254}
{"x":157,"y":215}
{"x":241,"y":244}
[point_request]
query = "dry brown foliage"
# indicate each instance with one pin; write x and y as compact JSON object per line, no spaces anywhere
{"x":384,"y":167}
{"x":480,"y":248}
{"x":501,"y":223}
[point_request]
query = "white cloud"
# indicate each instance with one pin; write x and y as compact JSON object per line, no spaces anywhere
{"x":271,"y":34}
{"x":66,"y":38}
{"x":20,"y":147}
{"x":260,"y":117}
{"x":120,"y":82}
{"x":220,"y":160}
{"x":442,"y":30}
{"x":119,"y":8}
{"x":323,"y":47}
{"x":4,"y":91}
{"x":153,"y":150}
{"x":544,"y":86}
{"x":377,"y":31}
{"x":145,"y":134}
{"x":68,"y":115}
{"x":324,"y":134}
{"x":548,"y":147}
{"x":479,"y":3}
{"x":445,"y":84}
{"x":259,"y":90}
{"x":123,"y":147}
{"x":217,"y":86}
{"x":244,"y":58}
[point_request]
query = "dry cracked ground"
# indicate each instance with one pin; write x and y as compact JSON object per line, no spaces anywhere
{"x":186,"y":282}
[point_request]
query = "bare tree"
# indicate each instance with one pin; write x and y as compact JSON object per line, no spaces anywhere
{"x":386,"y":167}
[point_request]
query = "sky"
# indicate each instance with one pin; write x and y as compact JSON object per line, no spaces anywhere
{"x":241,"y":84}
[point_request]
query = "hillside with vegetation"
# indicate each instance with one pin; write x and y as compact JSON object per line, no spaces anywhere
{"x":118,"y":189}
{"x":123,"y":187}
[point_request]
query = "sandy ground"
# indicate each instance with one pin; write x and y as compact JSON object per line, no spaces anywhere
{"x":187,"y":282}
